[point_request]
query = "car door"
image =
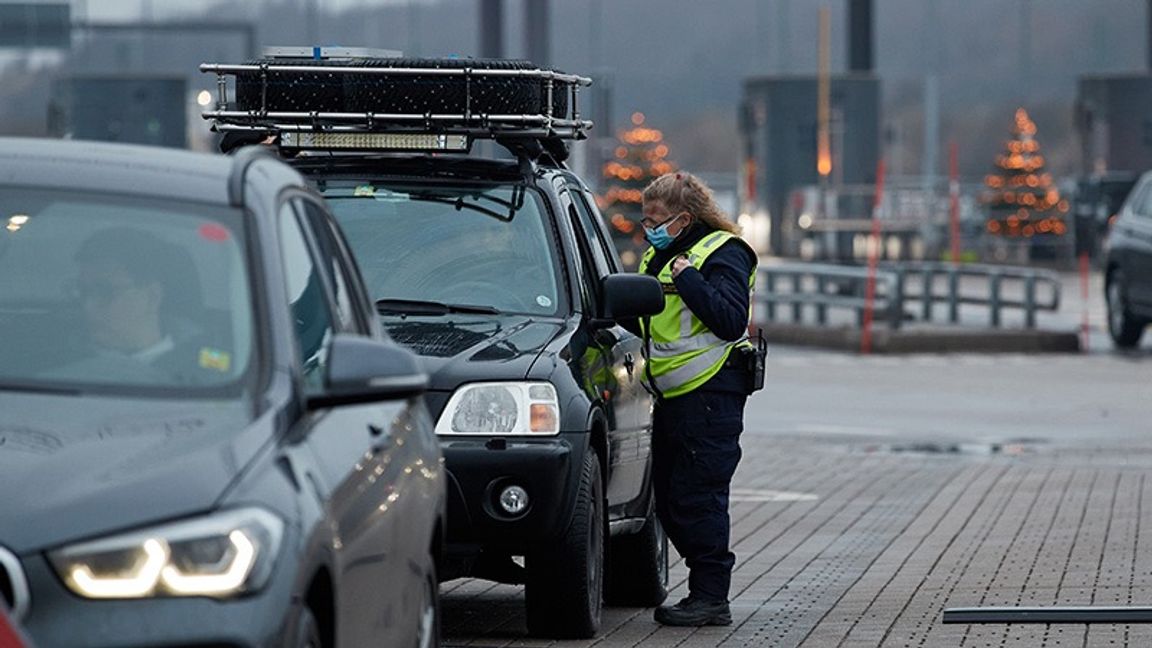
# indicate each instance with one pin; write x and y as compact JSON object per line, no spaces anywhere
{"x":628,"y":405}
{"x":351,"y":444}
{"x":1136,"y":229}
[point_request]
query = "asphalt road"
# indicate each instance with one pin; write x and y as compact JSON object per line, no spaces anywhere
{"x":876,"y":491}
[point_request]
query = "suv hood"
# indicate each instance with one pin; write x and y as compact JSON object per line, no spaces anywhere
{"x":458,"y":349}
{"x":76,"y":467}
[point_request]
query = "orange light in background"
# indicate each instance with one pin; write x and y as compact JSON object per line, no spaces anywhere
{"x":621,"y":152}
{"x":994,"y":227}
{"x":1029,"y":230}
{"x":637,"y":118}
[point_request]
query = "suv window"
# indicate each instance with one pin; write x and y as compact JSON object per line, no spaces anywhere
{"x":594,"y":225}
{"x":487,"y":245}
{"x":310,"y":308}
{"x":337,"y":272}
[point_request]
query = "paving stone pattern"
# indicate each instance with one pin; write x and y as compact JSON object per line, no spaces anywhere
{"x":889,"y":543}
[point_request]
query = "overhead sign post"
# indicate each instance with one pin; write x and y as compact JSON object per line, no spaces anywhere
{"x":35,"y":24}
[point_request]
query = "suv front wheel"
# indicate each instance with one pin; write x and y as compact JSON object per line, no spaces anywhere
{"x":564,"y":584}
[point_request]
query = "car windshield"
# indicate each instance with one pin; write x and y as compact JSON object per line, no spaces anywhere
{"x":112,"y":293}
{"x":486,"y":247}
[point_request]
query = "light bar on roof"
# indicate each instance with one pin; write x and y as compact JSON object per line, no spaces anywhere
{"x":375,"y":141}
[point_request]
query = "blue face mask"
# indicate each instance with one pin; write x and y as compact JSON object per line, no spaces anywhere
{"x":659,"y":236}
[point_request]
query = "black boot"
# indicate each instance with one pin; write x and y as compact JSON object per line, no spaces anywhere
{"x":694,"y":612}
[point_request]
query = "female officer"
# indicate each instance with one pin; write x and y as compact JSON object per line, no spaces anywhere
{"x":697,"y":366}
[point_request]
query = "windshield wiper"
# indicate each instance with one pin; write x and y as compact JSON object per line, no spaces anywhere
{"x":418,"y":307}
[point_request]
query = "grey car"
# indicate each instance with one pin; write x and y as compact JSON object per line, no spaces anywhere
{"x":205,"y":436}
{"x":1128,"y":269}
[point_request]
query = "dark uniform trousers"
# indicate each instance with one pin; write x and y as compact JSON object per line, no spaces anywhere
{"x":696,"y":446}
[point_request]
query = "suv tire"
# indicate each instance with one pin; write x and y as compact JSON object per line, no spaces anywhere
{"x":419,"y":94}
{"x":1124,"y":327}
{"x":637,"y":574}
{"x":565,"y":580}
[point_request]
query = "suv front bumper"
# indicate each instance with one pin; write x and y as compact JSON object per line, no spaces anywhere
{"x":479,"y":468}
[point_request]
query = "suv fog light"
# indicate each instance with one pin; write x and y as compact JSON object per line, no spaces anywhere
{"x":514,"y":500}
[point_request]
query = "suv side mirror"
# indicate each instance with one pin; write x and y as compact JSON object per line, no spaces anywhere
{"x":363,"y":370}
{"x":628,"y":295}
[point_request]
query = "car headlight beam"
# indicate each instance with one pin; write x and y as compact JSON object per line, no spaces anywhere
{"x":229,"y":580}
{"x":502,"y":408}
{"x":220,"y":555}
{"x":141,"y":582}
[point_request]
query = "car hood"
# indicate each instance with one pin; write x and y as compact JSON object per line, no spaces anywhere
{"x":74,"y":467}
{"x":460,"y":349}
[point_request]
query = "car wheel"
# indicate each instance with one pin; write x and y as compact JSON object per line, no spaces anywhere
{"x":1124,"y":327}
{"x":428,"y":635}
{"x":564,"y":585}
{"x":637,"y":574}
{"x":307,"y":630}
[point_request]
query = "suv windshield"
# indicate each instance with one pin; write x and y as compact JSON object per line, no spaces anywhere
{"x":458,"y":247}
{"x":120,"y":294}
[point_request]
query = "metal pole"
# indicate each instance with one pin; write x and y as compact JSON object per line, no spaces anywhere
{"x":537,"y":38}
{"x":994,"y":300}
{"x":1071,"y":614}
{"x":954,"y":295}
{"x":797,"y":306}
{"x":1030,"y":301}
{"x":492,"y":28}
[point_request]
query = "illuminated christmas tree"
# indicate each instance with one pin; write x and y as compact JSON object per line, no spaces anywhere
{"x":1022,"y":202}
{"x":640,"y":156}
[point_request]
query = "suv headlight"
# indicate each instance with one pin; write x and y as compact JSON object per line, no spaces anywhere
{"x":527,"y":408}
{"x":219,"y":555}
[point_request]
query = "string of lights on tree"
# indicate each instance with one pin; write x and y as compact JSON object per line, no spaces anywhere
{"x":639,"y":157}
{"x":1022,"y":202}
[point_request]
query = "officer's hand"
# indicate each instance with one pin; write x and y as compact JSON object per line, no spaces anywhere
{"x":679,"y":265}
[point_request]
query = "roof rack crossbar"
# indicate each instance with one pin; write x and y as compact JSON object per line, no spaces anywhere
{"x":545,"y":75}
{"x":489,"y":133}
{"x":311,"y":118}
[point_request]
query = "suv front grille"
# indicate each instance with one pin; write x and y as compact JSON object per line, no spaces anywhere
{"x":13,"y":586}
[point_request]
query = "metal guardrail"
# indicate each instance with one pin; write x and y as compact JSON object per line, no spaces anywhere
{"x":826,"y":286}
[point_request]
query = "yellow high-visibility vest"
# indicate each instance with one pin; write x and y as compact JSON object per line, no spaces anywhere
{"x":683,"y":353}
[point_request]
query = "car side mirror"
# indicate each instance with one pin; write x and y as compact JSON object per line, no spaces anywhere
{"x":629,"y":295}
{"x":364,"y":370}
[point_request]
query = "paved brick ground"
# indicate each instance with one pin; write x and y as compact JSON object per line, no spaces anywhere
{"x":889,"y":541}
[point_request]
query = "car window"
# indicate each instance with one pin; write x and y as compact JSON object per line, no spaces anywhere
{"x":331,"y":251}
{"x":310,"y":309}
{"x":586,"y":230}
{"x":596,"y":229}
{"x":114,"y":292}
{"x":490,"y":246}
{"x":1143,"y":205}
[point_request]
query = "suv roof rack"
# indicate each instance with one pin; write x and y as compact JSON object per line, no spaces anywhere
{"x":265,"y":88}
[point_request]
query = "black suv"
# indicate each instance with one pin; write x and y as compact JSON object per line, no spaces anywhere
{"x":501,"y":274}
{"x":1128,"y":270}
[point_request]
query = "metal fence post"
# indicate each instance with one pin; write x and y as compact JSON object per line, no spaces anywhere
{"x":954,"y":295}
{"x":821,"y":305}
{"x":797,"y":306}
{"x":770,"y":299}
{"x":896,"y":299}
{"x":994,"y":299}
{"x":1030,"y":301}
{"x":927,"y":294}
